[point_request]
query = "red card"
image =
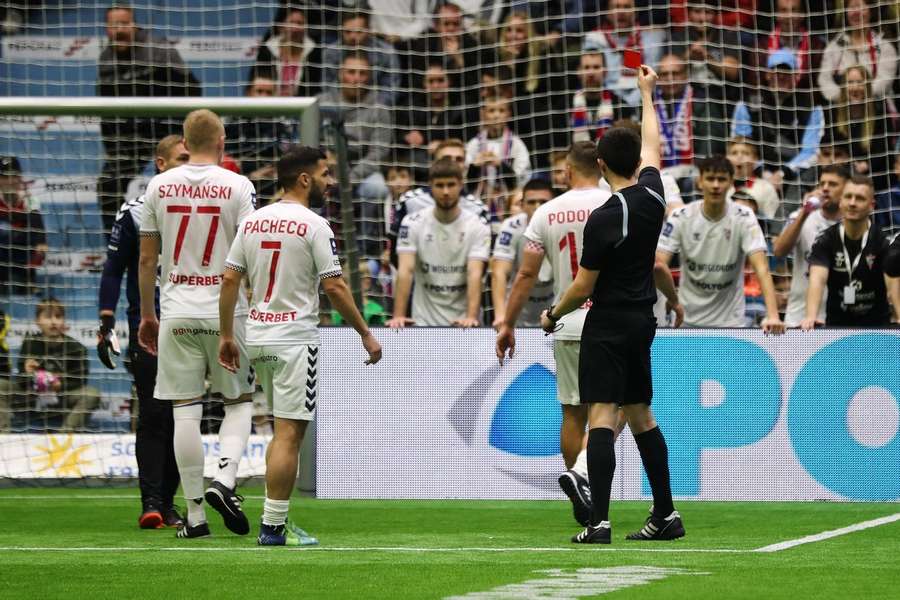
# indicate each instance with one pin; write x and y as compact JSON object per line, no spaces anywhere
{"x":632,"y":59}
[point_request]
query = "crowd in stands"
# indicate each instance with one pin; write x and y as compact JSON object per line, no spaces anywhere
{"x":785,"y":102}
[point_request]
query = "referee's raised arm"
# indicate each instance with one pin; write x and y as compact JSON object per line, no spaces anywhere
{"x":649,"y":121}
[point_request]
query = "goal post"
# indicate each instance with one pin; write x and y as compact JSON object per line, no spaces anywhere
{"x":103,"y":448}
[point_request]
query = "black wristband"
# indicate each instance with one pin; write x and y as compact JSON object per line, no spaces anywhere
{"x":107,"y":323}
{"x":550,"y":314}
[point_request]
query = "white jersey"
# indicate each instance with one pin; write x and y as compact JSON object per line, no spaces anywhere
{"x":509,"y":247}
{"x":712,"y":261}
{"x":285,"y":249}
{"x":195,"y":209}
{"x":442,"y":253}
{"x":558,"y":228}
{"x":814,"y":225}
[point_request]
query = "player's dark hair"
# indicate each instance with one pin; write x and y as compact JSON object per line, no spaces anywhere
{"x":538,"y":185}
{"x":620,"y":149}
{"x":835,"y":169}
{"x":716,"y":163}
{"x":865,"y":180}
{"x":582,"y":157}
{"x":445,"y":167}
{"x":358,"y":54}
{"x":297,"y":160}
{"x":350,"y":15}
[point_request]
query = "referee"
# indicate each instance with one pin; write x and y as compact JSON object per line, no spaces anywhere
{"x":617,"y":274}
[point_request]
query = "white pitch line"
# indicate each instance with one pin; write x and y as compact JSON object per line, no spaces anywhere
{"x":818,"y":537}
{"x":89,"y":497}
{"x":406,"y":549}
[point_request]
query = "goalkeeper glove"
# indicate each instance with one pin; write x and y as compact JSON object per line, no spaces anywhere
{"x":108,"y":345}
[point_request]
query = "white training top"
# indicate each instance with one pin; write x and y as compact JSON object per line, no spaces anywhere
{"x":814,"y":225}
{"x":712,"y":261}
{"x":509,"y":247}
{"x":285,"y":249}
{"x":195,"y":209}
{"x":558,"y":228}
{"x":442,"y":252}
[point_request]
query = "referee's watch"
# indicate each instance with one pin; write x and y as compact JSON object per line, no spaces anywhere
{"x":550,"y":314}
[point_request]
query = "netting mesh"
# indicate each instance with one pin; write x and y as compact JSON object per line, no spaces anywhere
{"x":807,"y":84}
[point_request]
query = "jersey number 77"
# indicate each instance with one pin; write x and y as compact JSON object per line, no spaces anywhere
{"x":185,"y":210}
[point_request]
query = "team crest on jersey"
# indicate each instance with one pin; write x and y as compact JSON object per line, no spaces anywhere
{"x":334,"y":246}
{"x":870,"y":260}
{"x":505,"y":238}
{"x":404,"y":232}
{"x":667,"y":229}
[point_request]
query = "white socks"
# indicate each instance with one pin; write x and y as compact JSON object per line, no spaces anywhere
{"x":275,"y":512}
{"x":189,"y":456}
{"x":233,"y":436}
{"x":580,"y":466}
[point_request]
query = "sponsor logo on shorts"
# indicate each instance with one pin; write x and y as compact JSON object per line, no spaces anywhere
{"x":194,"y":331}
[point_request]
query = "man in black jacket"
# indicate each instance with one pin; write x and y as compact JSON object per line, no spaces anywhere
{"x":134,"y":64}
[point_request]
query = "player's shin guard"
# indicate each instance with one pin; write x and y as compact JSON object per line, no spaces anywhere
{"x":655,"y":456}
{"x":233,"y":436}
{"x":601,"y":456}
{"x":189,"y":456}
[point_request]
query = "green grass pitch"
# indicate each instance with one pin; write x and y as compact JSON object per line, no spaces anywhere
{"x":84,"y":543}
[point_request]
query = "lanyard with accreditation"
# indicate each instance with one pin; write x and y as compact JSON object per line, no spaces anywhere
{"x":849,"y":289}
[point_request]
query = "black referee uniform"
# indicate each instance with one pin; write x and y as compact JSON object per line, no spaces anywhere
{"x":620,"y":241}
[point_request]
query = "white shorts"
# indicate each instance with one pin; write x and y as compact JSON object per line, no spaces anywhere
{"x":189,"y":354}
{"x":565,"y":353}
{"x":288,"y":376}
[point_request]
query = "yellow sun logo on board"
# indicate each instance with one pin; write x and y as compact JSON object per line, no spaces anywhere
{"x":62,"y":457}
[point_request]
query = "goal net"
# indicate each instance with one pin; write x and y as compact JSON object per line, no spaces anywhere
{"x":785,"y":88}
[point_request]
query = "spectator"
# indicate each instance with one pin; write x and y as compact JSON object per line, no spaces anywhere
{"x":559,"y":175}
{"x":507,"y":258}
{"x":413,"y":201}
{"x":859,"y":121}
{"x":540,"y":88}
{"x":291,"y":56}
{"x":821,"y":209}
{"x":356,"y":35}
{"x":448,"y":44}
{"x":785,"y":122}
{"x":690,"y":126}
{"x":713,"y":238}
{"x":497,"y":159}
{"x":744,"y":157}
{"x":445,"y":249}
{"x":433,"y":115}
{"x":257,"y":143}
{"x":848,"y":261}
{"x":712,"y":52}
{"x":887,"y":204}
{"x":859,"y":44}
{"x":368,"y":129}
{"x":790,"y":31}
{"x":618,"y":32}
{"x":397,"y":20}
{"x":52,"y":378}
{"x":6,"y":387}
{"x":23,"y":243}
{"x":594,"y":108}
{"x":134,"y":64}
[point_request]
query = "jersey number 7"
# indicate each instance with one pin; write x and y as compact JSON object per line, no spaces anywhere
{"x":273,"y":266}
{"x":185,"y":211}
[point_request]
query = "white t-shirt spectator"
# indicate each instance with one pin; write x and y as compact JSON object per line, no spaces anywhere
{"x":405,"y":19}
{"x":195,"y":209}
{"x":442,"y":251}
{"x":508,"y":147}
{"x":712,"y":261}
{"x":814,"y":225}
{"x":285,"y":249}
{"x":509,"y":247}
{"x":558,"y":228}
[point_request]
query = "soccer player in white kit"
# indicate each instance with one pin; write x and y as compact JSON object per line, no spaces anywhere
{"x":507,"y":257}
{"x":556,"y":231}
{"x":285,"y":249}
{"x":191,"y":214}
{"x":713,"y":238}
{"x":821,"y":209}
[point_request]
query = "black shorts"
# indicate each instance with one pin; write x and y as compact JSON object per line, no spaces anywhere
{"x":614,"y":364}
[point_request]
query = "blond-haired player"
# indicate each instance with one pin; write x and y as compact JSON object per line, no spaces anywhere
{"x":191,"y":216}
